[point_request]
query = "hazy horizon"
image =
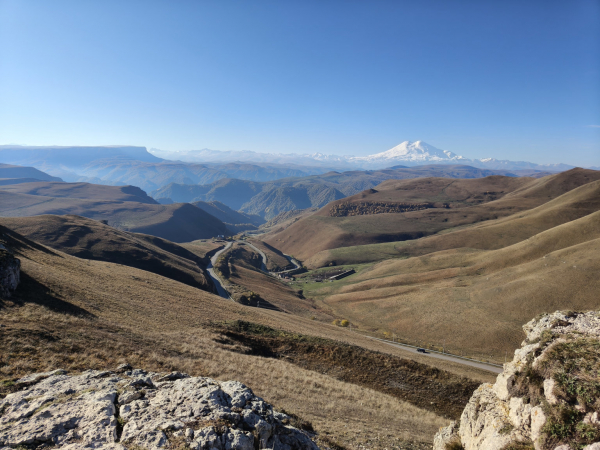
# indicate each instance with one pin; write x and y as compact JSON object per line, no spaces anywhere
{"x":505,"y":80}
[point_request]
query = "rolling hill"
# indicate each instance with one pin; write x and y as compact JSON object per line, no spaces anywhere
{"x":268,"y":199}
{"x":472,"y":300}
{"x":411,"y":209}
{"x":82,"y":190}
{"x":124,"y":207}
{"x":90,"y":239}
{"x":8,"y":171}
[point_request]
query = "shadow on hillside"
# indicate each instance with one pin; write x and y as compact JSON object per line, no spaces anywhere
{"x":31,"y":291}
{"x":17,"y":243}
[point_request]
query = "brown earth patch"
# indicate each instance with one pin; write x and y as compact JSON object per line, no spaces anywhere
{"x":424,"y":386}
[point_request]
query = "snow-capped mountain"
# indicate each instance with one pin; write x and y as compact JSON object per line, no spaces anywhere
{"x":407,"y":151}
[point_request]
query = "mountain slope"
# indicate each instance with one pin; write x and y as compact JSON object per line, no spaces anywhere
{"x":123,"y":165}
{"x":10,"y":171}
{"x":417,"y":151}
{"x":82,"y":190}
{"x":227,"y":215}
{"x":269,"y":199}
{"x":177,"y":222}
{"x":467,"y":202}
{"x":476,"y":300}
{"x":90,"y":239}
{"x":407,"y":152}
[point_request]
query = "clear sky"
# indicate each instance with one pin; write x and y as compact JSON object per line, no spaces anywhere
{"x":515,"y":80}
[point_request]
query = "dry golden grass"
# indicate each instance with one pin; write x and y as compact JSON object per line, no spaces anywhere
{"x":349,"y":414}
{"x":81,"y":314}
{"x":81,"y":190}
{"x":489,"y":235}
{"x":471,"y":203}
{"x":90,"y":239}
{"x":203,"y":248}
{"x":477,"y":300}
{"x":179,"y":222}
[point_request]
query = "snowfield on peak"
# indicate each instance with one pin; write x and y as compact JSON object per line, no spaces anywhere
{"x":412,"y":151}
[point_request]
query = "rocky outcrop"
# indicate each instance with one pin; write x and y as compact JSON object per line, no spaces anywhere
{"x":547,"y":397}
{"x":10,"y":272}
{"x":135,"y":409}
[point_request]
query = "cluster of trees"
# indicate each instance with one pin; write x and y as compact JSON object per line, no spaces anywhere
{"x":362,"y":208}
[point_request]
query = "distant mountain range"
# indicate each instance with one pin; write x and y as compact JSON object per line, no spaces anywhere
{"x":127,"y":165}
{"x":131,"y":165}
{"x":407,"y":153}
{"x":270,"y":198}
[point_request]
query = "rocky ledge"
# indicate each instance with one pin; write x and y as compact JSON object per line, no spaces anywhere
{"x":10,"y":272}
{"x":135,"y":409}
{"x":547,"y":397}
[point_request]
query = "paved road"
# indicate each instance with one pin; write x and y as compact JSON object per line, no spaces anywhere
{"x":456,"y":359}
{"x":223,"y":293}
{"x":263,"y":265}
{"x":217,"y":281}
{"x":211,"y":271}
{"x":264,"y":260}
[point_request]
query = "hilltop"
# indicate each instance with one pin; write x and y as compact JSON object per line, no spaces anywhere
{"x":124,"y":207}
{"x":82,"y":190}
{"x":410,"y":209}
{"x":10,"y":174}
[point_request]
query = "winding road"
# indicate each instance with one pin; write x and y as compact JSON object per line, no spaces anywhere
{"x":219,"y":283}
{"x":223,"y":293}
{"x":211,"y":271}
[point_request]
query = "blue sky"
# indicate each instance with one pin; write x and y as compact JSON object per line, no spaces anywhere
{"x":515,"y":80}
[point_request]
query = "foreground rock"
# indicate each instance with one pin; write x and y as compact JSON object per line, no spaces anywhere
{"x":10,"y":272}
{"x":548,"y":396}
{"x":134,"y":409}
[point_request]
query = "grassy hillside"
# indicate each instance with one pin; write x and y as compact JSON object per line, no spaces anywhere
{"x":82,"y":190}
{"x":79,"y":314}
{"x":269,"y":199}
{"x":177,"y":222}
{"x":488,"y":235}
{"x":16,"y":172}
{"x":453,"y":204}
{"x":474,"y":300}
{"x":90,"y":239}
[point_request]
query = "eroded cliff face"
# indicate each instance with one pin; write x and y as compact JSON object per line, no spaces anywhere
{"x":547,"y":397}
{"x":10,"y":272}
{"x":134,"y":409}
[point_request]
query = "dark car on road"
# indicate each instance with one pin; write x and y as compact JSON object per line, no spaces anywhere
{"x":421,"y":350}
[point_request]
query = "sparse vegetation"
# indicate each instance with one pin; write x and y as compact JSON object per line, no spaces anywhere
{"x":344,"y":209}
